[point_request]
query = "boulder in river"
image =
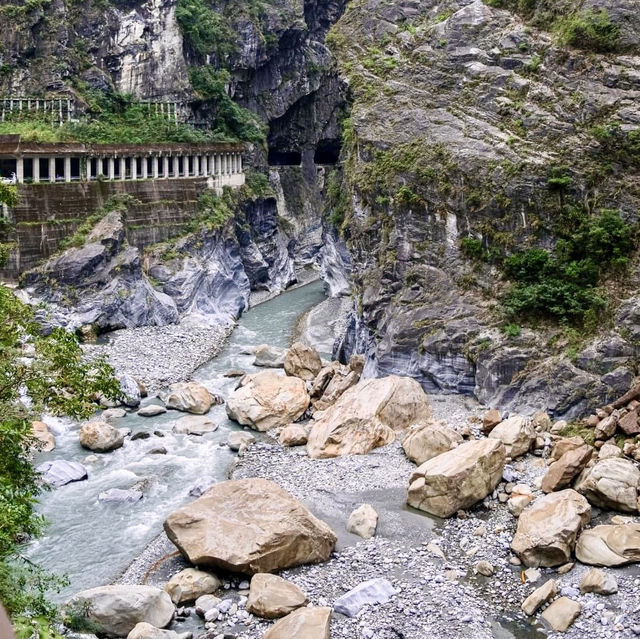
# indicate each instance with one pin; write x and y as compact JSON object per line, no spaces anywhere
{"x":147,"y":631}
{"x":100,"y":437}
{"x":238,"y":439}
{"x":269,"y":356}
{"x":612,"y":483}
{"x":60,"y":472}
{"x":249,"y":526}
{"x":194,"y":425}
{"x":116,"y":610}
{"x":130,"y":391}
{"x":516,"y":433}
{"x":302,"y":361}
{"x":151,"y":410}
{"x":425,"y":441}
{"x":189,"y":397}
{"x":363,"y":521}
{"x":458,"y":478}
{"x":303,"y":623}
{"x":609,"y":545}
{"x":120,"y":496}
{"x":368,"y":415}
{"x":373,"y":591}
{"x":191,"y":583}
{"x":268,"y":400}
{"x":547,"y":530}
{"x":46,"y":440}
{"x":271,"y":596}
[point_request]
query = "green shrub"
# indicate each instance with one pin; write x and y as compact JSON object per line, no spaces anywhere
{"x":511,"y":330}
{"x":472,"y":247}
{"x":207,"y":31}
{"x":591,"y":30}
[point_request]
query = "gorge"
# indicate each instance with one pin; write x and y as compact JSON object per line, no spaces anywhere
{"x":383,"y":254}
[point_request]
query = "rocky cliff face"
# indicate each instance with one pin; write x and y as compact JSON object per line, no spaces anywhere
{"x":462,"y":115}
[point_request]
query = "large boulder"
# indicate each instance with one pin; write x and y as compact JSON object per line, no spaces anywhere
{"x":458,"y":478}
{"x":609,"y":545}
{"x":271,"y":596}
{"x":194,"y":425}
{"x":562,"y":471}
{"x":340,"y":383}
{"x":268,"y":400}
{"x":60,"y":472}
{"x":516,"y":433}
{"x":547,"y":530}
{"x":115,"y":610}
{"x":45,"y":438}
{"x":368,"y":415}
{"x":561,"y":614}
{"x":100,"y":437}
{"x":302,"y":361}
{"x":130,"y":391}
{"x":269,"y":356}
{"x":363,"y":521}
{"x":147,"y":631}
{"x":425,"y":441}
{"x":189,"y":397}
{"x":612,"y":483}
{"x":303,"y":623}
{"x":293,"y":435}
{"x":249,"y":526}
{"x":373,"y":591}
{"x":189,"y":584}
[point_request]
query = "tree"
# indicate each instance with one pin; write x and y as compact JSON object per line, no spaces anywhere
{"x":37,"y":373}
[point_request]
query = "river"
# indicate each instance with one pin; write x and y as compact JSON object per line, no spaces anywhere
{"x":93,"y":542}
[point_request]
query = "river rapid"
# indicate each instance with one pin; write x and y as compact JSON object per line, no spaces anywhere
{"x":93,"y":542}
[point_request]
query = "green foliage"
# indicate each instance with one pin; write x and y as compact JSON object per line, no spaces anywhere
{"x":511,"y":330}
{"x":208,"y":32}
{"x":8,"y":196}
{"x":56,"y":378}
{"x":591,"y":30}
{"x":472,"y":248}
{"x":213,"y":211}
{"x":258,"y":184}
{"x":563,"y":285}
{"x":577,"y":429}
{"x":617,"y":145}
{"x":231,"y":121}
{"x":337,"y":199}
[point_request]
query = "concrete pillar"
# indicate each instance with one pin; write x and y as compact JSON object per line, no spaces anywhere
{"x":145,"y":168}
{"x":204,"y":165}
{"x":123,"y":168}
{"x":240,"y":163}
{"x":133,"y":163}
{"x":67,"y":169}
{"x":176,"y":166}
{"x":52,"y":169}
{"x":154,"y":167}
{"x":20,"y":170}
{"x":36,"y":170}
{"x":196,"y":165}
{"x":112,"y":168}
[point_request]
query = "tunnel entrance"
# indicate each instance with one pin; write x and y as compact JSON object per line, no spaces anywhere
{"x":284,"y":158}
{"x":327,"y":152}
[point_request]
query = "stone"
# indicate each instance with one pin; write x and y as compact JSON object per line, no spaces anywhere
{"x":561,"y":614}
{"x":368,"y":415}
{"x":457,"y":479}
{"x":240,"y":439}
{"x":547,"y":530}
{"x":541,"y":422}
{"x":130,"y":391}
{"x":612,"y":483}
{"x":272,"y":597}
{"x":249,"y":526}
{"x":599,"y":582}
{"x":564,"y":445}
{"x":269,"y":356}
{"x":190,"y":584}
{"x":235,"y":372}
{"x":113,"y":413}
{"x":628,"y":423}
{"x":116,"y":610}
{"x":337,"y":386}
{"x":363,"y":521}
{"x":490,"y":420}
{"x":303,"y":623}
{"x":562,"y":472}
{"x":606,"y":427}
{"x":61,"y":472}
{"x":424,"y":441}
{"x":356,"y":363}
{"x":539,"y":597}
{"x":100,"y":437}
{"x":188,"y":397}
{"x":194,"y":425}
{"x":120,"y":496}
{"x":565,"y":568}
{"x":46,"y":441}
{"x":302,"y":361}
{"x":141,"y":434}
{"x":268,"y":400}
{"x":293,"y":435}
{"x":147,"y":631}
{"x":151,"y":410}
{"x":521,"y":496}
{"x":205,"y":603}
{"x":484,"y":568}
{"x":373,"y":591}
{"x":517,"y":435}
{"x":609,"y":545}
{"x":608,"y":451}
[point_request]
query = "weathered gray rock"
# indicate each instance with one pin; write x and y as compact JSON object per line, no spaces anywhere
{"x":268,"y":400}
{"x":190,"y":584}
{"x":307,"y":623}
{"x":120,"y":496}
{"x":145,"y":630}
{"x":302,"y":361}
{"x":189,"y":397}
{"x":547,"y":530}
{"x":269,"y":356}
{"x":272,"y":597}
{"x":60,"y":472}
{"x":599,"y":582}
{"x":116,"y":610}
{"x":374,"y":591}
{"x":249,"y":526}
{"x":130,"y":391}
{"x":112,"y":414}
{"x":100,"y":437}
{"x":609,"y":545}
{"x":363,"y":521}
{"x":425,"y":441}
{"x":368,"y":415}
{"x":194,"y":425}
{"x":457,"y":479}
{"x":516,"y":433}
{"x":612,"y":483}
{"x":240,"y":439}
{"x":151,"y":410}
